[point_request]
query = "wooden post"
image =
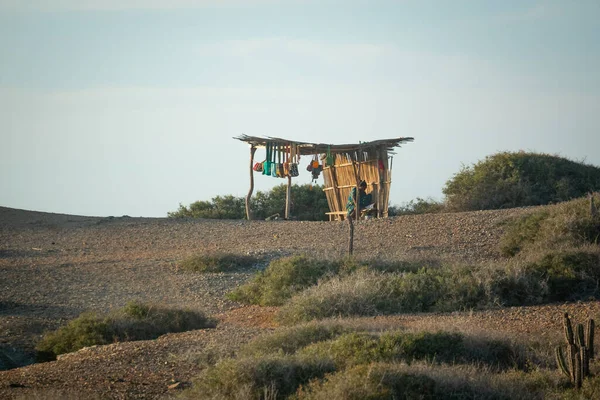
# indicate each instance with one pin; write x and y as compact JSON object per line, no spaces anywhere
{"x":356,"y":206}
{"x":357,"y":197}
{"x":381,"y":160}
{"x":340,"y":206}
{"x":351,"y":239}
{"x":288,"y":197}
{"x":248,"y":210}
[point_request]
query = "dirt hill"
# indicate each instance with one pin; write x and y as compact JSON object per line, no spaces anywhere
{"x":54,"y":266}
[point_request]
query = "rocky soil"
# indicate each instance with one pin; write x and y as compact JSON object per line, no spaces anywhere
{"x":53,"y":267}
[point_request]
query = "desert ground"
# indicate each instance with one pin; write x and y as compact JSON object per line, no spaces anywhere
{"x":54,"y":267}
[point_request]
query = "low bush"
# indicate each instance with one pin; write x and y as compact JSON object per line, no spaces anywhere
{"x":370,"y":382}
{"x":361,"y":293}
{"x":291,"y":339}
{"x":562,"y":275}
{"x":135,"y":321}
{"x":218,"y":262}
{"x":570,"y":274}
{"x":564,"y":225}
{"x":283,"y":278}
{"x":421,"y":380}
{"x":86,"y":330}
{"x":590,"y":389}
{"x":373,"y":293}
{"x":521,"y":233}
{"x":268,"y":377}
{"x":417,"y":206}
{"x":439,"y":347}
{"x":287,"y":276}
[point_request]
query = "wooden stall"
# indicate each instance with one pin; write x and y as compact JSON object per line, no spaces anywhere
{"x":343,"y":167}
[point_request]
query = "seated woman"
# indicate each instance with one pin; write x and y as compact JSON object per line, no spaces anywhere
{"x":364,"y":200}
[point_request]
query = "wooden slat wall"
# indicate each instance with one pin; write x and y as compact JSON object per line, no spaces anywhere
{"x":341,"y":178}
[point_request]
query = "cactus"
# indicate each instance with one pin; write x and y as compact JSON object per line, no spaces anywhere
{"x":580,"y":349}
{"x":568,"y":329}
{"x":580,"y":336}
{"x":572,"y":353}
{"x":560,"y":360}
{"x":585,"y":361}
{"x":590,"y":338}
{"x":577,"y":370}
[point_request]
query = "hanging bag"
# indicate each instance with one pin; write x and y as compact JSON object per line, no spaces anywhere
{"x":329,"y":160}
{"x":280,"y":163}
{"x":274,"y":163}
{"x":294,"y":170}
{"x":315,"y":162}
{"x":316,"y":168}
{"x":267,"y":162}
{"x":286,"y":161}
{"x":294,"y":160}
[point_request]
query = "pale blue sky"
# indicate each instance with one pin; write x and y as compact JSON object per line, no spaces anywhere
{"x":128,"y":107}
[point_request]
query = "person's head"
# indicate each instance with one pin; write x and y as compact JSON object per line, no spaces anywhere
{"x":362,"y":185}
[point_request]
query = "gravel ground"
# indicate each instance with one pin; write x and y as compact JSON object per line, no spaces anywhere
{"x":53,"y":267}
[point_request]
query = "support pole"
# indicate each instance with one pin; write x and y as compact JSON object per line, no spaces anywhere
{"x":357,"y":198}
{"x":248,"y":210}
{"x":351,"y":239}
{"x":356,"y":206}
{"x":288,"y":197}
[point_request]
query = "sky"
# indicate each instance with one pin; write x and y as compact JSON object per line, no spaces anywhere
{"x":129,"y":107}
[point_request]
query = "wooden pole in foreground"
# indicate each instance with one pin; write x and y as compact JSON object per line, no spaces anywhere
{"x":248,"y":211}
{"x":351,"y":239}
{"x":288,"y":196}
{"x":356,"y":213}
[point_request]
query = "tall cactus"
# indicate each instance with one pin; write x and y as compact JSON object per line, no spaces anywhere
{"x":580,"y":349}
{"x":590,"y":337}
{"x":568,"y":329}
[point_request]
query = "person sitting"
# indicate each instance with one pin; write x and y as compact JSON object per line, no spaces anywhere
{"x":364,"y":200}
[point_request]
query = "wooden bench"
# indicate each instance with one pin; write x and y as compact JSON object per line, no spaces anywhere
{"x":336,"y":215}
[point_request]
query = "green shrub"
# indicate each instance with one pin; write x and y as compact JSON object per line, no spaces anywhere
{"x":309,"y":203}
{"x":372,"y":293}
{"x":272,"y":377}
{"x":291,"y":339}
{"x":507,"y":180}
{"x":511,"y":286}
{"x":417,"y":206}
{"x":589,"y":390}
{"x":570,"y":274}
{"x":400,"y":266}
{"x":361,"y":293}
{"x":86,"y":330}
{"x":149,"y":322}
{"x":283,"y":278}
{"x":346,"y":350}
{"x":440,"y":347}
{"x":552,"y":276}
{"x":287,"y":276}
{"x":370,"y":382}
{"x":569,"y":224}
{"x":218,"y":262}
{"x":426,"y":381}
{"x":220,"y":207}
{"x":521,"y":232}
{"x":135,"y":321}
{"x":136,"y":310}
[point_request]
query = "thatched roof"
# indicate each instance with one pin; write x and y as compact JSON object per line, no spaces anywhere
{"x":320,"y":148}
